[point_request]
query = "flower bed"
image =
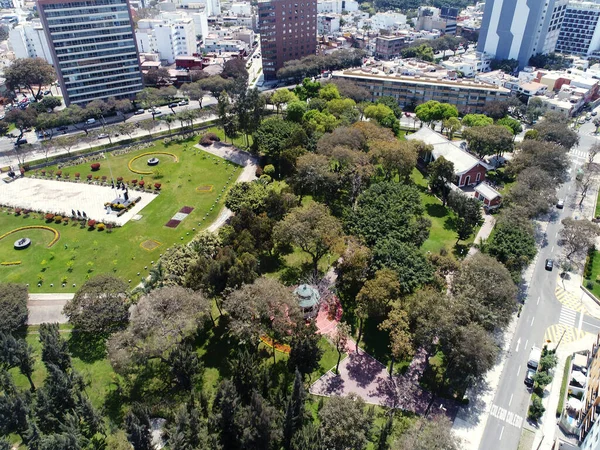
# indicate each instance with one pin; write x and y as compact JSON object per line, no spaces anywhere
{"x":283,"y":348}
{"x":145,"y":172}
{"x":10,"y":263}
{"x":35,"y":227}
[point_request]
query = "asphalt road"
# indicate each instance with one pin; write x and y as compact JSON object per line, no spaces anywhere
{"x":509,"y":409}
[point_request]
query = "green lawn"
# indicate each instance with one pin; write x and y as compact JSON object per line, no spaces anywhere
{"x":597,"y":212}
{"x":93,"y":252}
{"x":442,"y":234}
{"x":595,"y":289}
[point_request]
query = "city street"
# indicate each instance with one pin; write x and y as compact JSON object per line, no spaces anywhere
{"x":542,"y":310}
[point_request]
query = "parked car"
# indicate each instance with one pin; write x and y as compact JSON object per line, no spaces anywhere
{"x":157,"y":112}
{"x":173,"y":105}
{"x":594,"y":113}
{"x":549,"y":264}
{"x":139,"y":111}
{"x":47,"y":93}
{"x":102,"y":136}
{"x":183,"y":102}
{"x":63,"y":128}
{"x":21,"y":141}
{"x":90,"y":121}
{"x":560,"y":204}
{"x":529,"y":377}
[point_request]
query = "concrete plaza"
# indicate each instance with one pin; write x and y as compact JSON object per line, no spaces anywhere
{"x":61,"y":197}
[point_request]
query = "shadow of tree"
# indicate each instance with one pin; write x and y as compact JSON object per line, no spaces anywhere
{"x":88,"y":347}
{"x":436,"y":210}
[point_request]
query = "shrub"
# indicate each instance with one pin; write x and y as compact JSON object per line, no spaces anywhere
{"x":18,"y":211}
{"x":104,"y":177}
{"x":259,"y":171}
{"x":58,"y":173}
{"x":96,"y":177}
{"x":43,"y":172}
{"x":57,"y":219}
{"x":119,"y":178}
{"x":95,"y":166}
{"x":65,"y":220}
{"x":213,"y":137}
{"x":66,"y":175}
{"x":134,"y":182}
{"x":101,"y":227}
{"x":77,"y":175}
{"x":589,"y":285}
{"x":91,"y":223}
{"x":269,"y":169}
{"x":141,"y":183}
{"x":49,"y":216}
{"x":89,"y":176}
{"x":157,"y":186}
{"x":205,"y":141}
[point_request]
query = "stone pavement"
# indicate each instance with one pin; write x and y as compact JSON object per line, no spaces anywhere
{"x":47,"y":308}
{"x":60,"y":198}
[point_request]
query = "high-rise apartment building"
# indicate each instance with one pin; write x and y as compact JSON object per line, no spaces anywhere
{"x":520,"y":29}
{"x":29,"y":41}
{"x":170,"y":35}
{"x":580,"y":30}
{"x":288,"y":31}
{"x":93,"y":47}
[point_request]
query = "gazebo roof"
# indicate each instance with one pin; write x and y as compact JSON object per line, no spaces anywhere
{"x":307,"y":296}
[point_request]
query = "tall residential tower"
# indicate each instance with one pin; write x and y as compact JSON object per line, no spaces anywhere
{"x":520,"y":29}
{"x":93,"y":47}
{"x":580,"y":31}
{"x":288,"y":30}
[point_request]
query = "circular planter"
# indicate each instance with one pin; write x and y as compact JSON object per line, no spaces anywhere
{"x":153,"y":161}
{"x":22,"y":243}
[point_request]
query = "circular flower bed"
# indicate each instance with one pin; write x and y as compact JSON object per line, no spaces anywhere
{"x":35,"y":227}
{"x":145,"y":172}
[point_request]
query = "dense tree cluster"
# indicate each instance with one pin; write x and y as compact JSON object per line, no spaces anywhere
{"x":311,"y":66}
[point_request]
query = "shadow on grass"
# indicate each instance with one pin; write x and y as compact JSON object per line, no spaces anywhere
{"x":218,"y":349}
{"x":375,"y":341}
{"x":88,"y":347}
{"x":460,"y":250}
{"x":435,"y":210}
{"x":450,"y":223}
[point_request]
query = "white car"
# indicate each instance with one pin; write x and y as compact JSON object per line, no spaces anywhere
{"x":90,"y":121}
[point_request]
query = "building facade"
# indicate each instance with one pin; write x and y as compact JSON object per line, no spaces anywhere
{"x":388,"y":47}
{"x":518,"y":29}
{"x":29,"y":41}
{"x":169,"y":37}
{"x":468,"y":96}
{"x":288,"y":31}
{"x":93,"y":47}
{"x":580,"y":30}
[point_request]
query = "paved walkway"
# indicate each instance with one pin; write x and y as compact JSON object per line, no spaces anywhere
{"x":62,"y":198}
{"x":47,"y":308}
{"x":484,"y":232}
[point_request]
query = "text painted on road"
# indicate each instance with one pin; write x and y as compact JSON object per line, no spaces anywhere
{"x":510,"y":418}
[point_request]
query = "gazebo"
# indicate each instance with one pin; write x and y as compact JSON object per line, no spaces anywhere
{"x":308,"y":300}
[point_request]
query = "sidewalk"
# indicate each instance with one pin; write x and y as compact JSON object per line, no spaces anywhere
{"x":546,"y":432}
{"x":47,"y":308}
{"x":484,"y":232}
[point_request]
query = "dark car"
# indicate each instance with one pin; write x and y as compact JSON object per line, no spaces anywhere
{"x":63,"y":128}
{"x":560,"y":204}
{"x":139,"y":111}
{"x":549,"y":264}
{"x":47,"y":93}
{"x":173,"y":105}
{"x":529,"y":377}
{"x":21,"y":141}
{"x":594,"y":113}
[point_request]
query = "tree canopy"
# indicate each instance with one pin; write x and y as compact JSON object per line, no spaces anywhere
{"x":13,"y":306}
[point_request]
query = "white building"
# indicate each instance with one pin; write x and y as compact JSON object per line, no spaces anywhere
{"x":512,"y":30}
{"x":29,"y":41}
{"x":327,"y":24}
{"x":213,"y":7}
{"x":336,"y":6}
{"x":241,"y":9}
{"x":200,"y":25}
{"x":213,"y":44}
{"x":388,"y":21}
{"x":170,"y":36}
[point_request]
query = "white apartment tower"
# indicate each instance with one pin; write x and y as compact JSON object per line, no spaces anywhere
{"x":520,"y":29}
{"x":170,"y":36}
{"x":580,"y":31}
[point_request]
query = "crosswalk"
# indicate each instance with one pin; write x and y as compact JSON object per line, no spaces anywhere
{"x":510,"y":418}
{"x":578,"y":153}
{"x":567,"y":316}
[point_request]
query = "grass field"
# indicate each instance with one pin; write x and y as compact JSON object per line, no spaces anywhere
{"x":81,"y":253}
{"x":442,"y":234}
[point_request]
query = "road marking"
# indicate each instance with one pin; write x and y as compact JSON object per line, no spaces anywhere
{"x":580,"y":320}
{"x":552,"y":249}
{"x":510,"y":401}
{"x":591,"y":325}
{"x":538,"y":302}
{"x":518,"y":343}
{"x":567,"y":316}
{"x":501,"y":431}
{"x":526,"y":342}
{"x":509,"y":417}
{"x":556,"y":235}
{"x":519,"y":371}
{"x":532,"y":319}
